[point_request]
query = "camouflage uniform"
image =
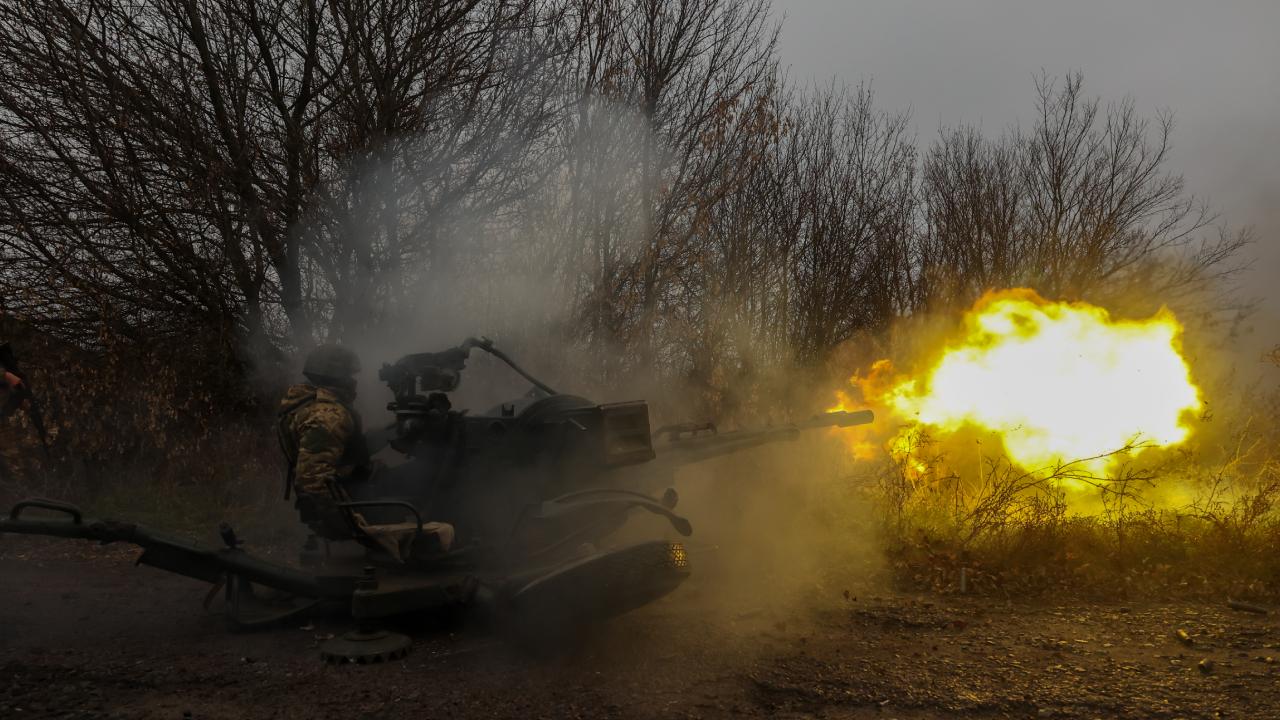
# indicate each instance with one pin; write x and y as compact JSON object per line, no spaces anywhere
{"x":322,"y":440}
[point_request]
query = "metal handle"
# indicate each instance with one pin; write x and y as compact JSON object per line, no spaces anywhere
{"x":54,"y":505}
{"x":486,"y":345}
{"x":385,"y":503}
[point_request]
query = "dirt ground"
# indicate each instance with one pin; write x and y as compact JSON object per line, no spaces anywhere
{"x":83,"y":633}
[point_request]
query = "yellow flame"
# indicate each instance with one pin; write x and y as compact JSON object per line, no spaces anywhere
{"x":1057,"y":382}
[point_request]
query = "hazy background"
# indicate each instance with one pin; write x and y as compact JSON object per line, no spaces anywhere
{"x":1215,"y":65}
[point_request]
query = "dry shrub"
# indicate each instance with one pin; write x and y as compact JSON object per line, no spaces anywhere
{"x":165,"y":436}
{"x":1014,"y":532}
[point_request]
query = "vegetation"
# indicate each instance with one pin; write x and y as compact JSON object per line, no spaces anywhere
{"x":1196,"y":520}
{"x":629,"y":192}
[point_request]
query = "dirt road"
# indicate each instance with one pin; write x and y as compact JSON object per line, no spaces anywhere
{"x":93,"y":636}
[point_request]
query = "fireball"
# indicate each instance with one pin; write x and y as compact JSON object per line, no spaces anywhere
{"x":1059,"y":383}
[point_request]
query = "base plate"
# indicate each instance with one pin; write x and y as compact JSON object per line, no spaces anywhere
{"x":365,"y":647}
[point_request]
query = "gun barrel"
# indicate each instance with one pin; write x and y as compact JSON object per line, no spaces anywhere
{"x":698,"y":447}
{"x":840,"y":418}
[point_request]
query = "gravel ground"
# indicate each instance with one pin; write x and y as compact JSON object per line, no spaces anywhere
{"x":83,"y":633}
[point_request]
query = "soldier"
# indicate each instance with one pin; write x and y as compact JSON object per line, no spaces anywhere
{"x":321,"y":437}
{"x":323,"y":441}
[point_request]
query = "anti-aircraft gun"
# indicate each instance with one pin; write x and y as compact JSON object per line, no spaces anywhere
{"x":535,"y":490}
{"x":482,"y":472}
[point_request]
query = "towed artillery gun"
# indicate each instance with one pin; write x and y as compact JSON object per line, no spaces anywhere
{"x":536,"y":488}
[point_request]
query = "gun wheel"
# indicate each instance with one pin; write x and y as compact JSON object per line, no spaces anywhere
{"x":363,"y":648}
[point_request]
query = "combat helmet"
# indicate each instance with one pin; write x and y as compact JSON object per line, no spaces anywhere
{"x":331,"y":364}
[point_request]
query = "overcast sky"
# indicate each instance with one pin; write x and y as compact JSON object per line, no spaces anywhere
{"x":1216,"y":65}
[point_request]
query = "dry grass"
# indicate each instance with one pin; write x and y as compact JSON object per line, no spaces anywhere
{"x":232,"y":473}
{"x":1061,"y":530}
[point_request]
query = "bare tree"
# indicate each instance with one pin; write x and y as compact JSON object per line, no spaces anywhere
{"x":440,"y":118}
{"x":1080,"y":204}
{"x":208,"y":165}
{"x":857,"y":177}
{"x":971,"y":239}
{"x":278,"y":171}
{"x":155,"y":157}
{"x":670,"y":92}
